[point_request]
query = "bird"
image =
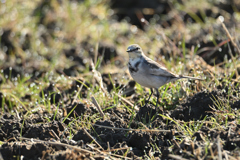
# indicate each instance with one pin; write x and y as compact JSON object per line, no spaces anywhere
{"x":149,"y":73}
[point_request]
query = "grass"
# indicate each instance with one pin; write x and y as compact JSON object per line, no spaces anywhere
{"x":57,"y":27}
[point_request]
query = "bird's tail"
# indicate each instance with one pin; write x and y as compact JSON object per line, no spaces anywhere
{"x":188,"y":77}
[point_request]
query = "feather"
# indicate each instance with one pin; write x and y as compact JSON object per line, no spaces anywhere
{"x":156,"y":69}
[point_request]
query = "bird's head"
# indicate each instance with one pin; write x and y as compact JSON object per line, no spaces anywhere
{"x":134,"y":51}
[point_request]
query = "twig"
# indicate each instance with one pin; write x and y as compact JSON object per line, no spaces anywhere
{"x":122,"y":157}
{"x":79,"y":90}
{"x":176,"y":157}
{"x":211,"y":49}
{"x":229,"y":132}
{"x":115,"y":149}
{"x":93,"y":148}
{"x":221,"y":19}
{"x":219,"y":148}
{"x":193,"y":149}
{"x":124,"y":129}
{"x":96,"y":52}
{"x":108,"y":144}
{"x":98,"y":78}
{"x":124,"y":100}
{"x":105,"y":153}
{"x":225,"y":155}
{"x":141,"y":18}
{"x":211,"y":151}
{"x":58,"y":144}
{"x":176,"y":143}
{"x":234,"y":64}
{"x":18,"y":117}
{"x":98,"y":107}
{"x":89,"y":135}
{"x":55,"y":135}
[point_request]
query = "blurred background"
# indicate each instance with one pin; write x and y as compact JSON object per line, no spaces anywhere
{"x":67,"y":33}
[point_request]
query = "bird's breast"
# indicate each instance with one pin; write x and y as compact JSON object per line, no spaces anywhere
{"x":133,"y":65}
{"x":132,"y":69}
{"x":142,"y":76}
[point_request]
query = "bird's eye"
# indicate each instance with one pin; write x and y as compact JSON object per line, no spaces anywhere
{"x":136,"y":49}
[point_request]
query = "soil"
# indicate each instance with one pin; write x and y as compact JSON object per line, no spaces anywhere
{"x":44,"y":135}
{"x":37,"y":127}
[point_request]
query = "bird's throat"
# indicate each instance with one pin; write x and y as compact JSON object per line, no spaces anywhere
{"x":134,"y":56}
{"x":134,"y":61}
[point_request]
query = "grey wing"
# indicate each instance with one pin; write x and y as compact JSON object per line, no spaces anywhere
{"x":157,"y":69}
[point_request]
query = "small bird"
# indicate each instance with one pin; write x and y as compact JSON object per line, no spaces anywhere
{"x":149,"y":73}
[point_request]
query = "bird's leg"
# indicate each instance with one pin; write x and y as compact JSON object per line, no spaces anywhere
{"x":149,"y":97}
{"x":157,"y":97}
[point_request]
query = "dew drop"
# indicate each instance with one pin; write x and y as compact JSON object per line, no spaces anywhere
{"x":221,"y":18}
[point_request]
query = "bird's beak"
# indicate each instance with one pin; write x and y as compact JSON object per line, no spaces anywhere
{"x":128,"y":50}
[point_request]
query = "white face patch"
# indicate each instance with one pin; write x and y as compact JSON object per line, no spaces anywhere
{"x":134,"y":51}
{"x":134,"y":60}
{"x":134,"y":56}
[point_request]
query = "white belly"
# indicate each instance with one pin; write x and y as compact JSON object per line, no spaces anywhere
{"x":142,"y":76}
{"x":150,"y":81}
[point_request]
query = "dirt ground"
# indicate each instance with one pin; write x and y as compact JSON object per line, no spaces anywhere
{"x":55,"y":134}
